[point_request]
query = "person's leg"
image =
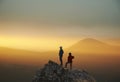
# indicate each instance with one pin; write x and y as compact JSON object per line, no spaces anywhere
{"x":70,"y":65}
{"x":66,"y":64}
{"x":61,"y":62}
{"x":60,"y":59}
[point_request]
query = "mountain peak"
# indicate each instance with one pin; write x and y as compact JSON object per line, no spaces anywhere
{"x":90,"y":45}
{"x":52,"y":72}
{"x":89,"y":40}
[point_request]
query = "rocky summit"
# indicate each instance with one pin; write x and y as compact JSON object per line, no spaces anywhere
{"x":52,"y":72}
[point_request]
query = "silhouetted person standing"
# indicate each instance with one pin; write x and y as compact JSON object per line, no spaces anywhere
{"x":70,"y":57}
{"x":61,"y":52}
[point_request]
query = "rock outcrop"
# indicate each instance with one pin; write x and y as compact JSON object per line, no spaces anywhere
{"x":52,"y":72}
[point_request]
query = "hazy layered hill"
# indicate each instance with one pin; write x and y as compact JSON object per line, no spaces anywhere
{"x":100,"y":63}
{"x":19,"y":56}
{"x":94,"y":46}
{"x":88,"y":45}
{"x":85,"y":46}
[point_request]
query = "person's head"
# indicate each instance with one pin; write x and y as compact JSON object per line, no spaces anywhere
{"x":70,"y":54}
{"x":60,"y":47}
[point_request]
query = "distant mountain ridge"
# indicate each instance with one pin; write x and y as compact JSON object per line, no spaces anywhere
{"x":85,"y":46}
{"x":90,"y":45}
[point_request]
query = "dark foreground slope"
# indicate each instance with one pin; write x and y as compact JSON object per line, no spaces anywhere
{"x":52,"y":72}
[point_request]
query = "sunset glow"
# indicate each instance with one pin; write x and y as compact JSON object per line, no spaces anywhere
{"x":34,"y":44}
{"x":32,"y":31}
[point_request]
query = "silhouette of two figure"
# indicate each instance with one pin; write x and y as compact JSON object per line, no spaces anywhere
{"x":70,"y":57}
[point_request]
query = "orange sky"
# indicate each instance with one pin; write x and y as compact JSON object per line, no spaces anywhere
{"x":39,"y":37}
{"x":45,"y":25}
{"x":37,"y":44}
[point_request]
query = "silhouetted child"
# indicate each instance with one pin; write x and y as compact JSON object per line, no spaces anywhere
{"x":70,"y":57}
